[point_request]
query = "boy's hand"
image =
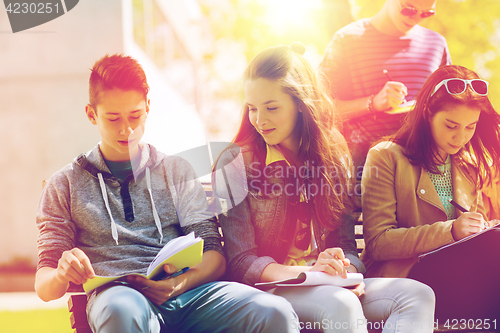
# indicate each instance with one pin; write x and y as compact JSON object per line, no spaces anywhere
{"x":74,"y":266}
{"x":160,"y":291}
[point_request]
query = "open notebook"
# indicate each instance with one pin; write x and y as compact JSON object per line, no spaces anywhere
{"x":183,"y":251}
{"x":315,"y":279}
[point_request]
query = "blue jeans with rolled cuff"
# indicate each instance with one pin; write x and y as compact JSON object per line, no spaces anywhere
{"x":212,"y":307}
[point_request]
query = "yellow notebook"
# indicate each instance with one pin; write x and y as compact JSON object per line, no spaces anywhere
{"x":183,"y":251}
{"x":402,"y":108}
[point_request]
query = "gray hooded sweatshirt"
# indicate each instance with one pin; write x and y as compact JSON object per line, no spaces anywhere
{"x":121,"y":225}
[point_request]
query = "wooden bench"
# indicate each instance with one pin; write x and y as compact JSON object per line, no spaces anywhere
{"x":358,"y":232}
{"x":77,"y":308}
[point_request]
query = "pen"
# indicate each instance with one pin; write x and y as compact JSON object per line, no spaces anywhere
{"x":179,"y":272}
{"x":457,"y":206}
{"x":390,"y":79}
{"x":163,"y":275}
{"x":462,"y":209}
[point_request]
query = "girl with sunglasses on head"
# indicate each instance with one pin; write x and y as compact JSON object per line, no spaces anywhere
{"x":443,"y":152}
{"x":286,"y":184}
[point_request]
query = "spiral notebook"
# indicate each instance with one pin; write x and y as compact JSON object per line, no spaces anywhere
{"x":459,"y":241}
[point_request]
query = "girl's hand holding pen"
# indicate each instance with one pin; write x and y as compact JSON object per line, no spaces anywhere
{"x":467,"y":224}
{"x":333,"y":262}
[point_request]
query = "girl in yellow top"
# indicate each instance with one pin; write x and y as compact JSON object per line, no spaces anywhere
{"x":286,"y":188}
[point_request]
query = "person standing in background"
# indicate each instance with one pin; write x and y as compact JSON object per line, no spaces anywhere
{"x":377,"y":63}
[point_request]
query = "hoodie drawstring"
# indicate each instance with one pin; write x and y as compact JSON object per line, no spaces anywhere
{"x":114,"y":232}
{"x":155,"y":214}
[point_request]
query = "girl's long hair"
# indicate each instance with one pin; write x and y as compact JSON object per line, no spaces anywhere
{"x":480,"y":153}
{"x":321,"y":144}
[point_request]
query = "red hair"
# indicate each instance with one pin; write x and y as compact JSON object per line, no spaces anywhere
{"x":116,"y":71}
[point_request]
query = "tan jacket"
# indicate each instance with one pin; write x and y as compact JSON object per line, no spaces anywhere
{"x":402,"y":213}
{"x":491,"y":198}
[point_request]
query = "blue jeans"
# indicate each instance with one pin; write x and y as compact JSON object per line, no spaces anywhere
{"x":212,"y":307}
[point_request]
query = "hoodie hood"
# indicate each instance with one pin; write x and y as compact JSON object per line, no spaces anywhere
{"x":93,"y":161}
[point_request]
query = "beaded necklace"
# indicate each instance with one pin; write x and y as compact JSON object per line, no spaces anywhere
{"x":444,"y":186}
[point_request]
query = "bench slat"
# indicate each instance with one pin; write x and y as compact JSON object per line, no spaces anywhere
{"x":77,"y":302}
{"x":83,"y":330}
{"x":78,"y":319}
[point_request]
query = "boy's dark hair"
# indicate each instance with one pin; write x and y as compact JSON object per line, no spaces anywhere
{"x":116,"y":71}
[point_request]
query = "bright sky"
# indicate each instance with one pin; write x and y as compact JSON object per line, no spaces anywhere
{"x":284,"y":14}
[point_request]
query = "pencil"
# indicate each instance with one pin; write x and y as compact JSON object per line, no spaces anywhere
{"x":387,"y":75}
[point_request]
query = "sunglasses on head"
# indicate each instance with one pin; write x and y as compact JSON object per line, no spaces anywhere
{"x":458,"y":86}
{"x":410,"y":11}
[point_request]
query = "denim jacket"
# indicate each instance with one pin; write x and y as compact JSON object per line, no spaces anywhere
{"x":259,"y":229}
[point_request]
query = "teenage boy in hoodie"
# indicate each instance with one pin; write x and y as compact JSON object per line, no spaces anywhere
{"x":113,"y":208}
